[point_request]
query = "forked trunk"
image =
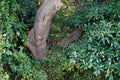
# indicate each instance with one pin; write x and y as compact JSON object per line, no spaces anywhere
{"x":40,"y":31}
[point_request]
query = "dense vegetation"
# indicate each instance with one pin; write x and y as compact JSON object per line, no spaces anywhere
{"x":95,"y":56}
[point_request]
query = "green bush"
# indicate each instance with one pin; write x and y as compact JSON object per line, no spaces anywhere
{"x":16,"y":18}
{"x":96,"y":55}
{"x":93,"y":57}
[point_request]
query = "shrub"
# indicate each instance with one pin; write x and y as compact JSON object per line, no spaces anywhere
{"x":94,"y":56}
{"x":16,"y":19}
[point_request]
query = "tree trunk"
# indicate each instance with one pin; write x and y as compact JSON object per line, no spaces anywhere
{"x":77,"y":33}
{"x":39,"y":33}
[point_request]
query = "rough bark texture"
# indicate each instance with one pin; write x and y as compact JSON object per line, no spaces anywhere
{"x":70,"y":38}
{"x":39,"y":33}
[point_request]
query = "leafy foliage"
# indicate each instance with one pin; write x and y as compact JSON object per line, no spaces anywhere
{"x":96,"y":56}
{"x":16,"y":18}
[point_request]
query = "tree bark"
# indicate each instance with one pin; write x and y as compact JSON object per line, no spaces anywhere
{"x":39,"y":33}
{"x":70,"y":38}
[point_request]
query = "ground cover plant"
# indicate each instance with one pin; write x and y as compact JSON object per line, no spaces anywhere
{"x":94,"y":56}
